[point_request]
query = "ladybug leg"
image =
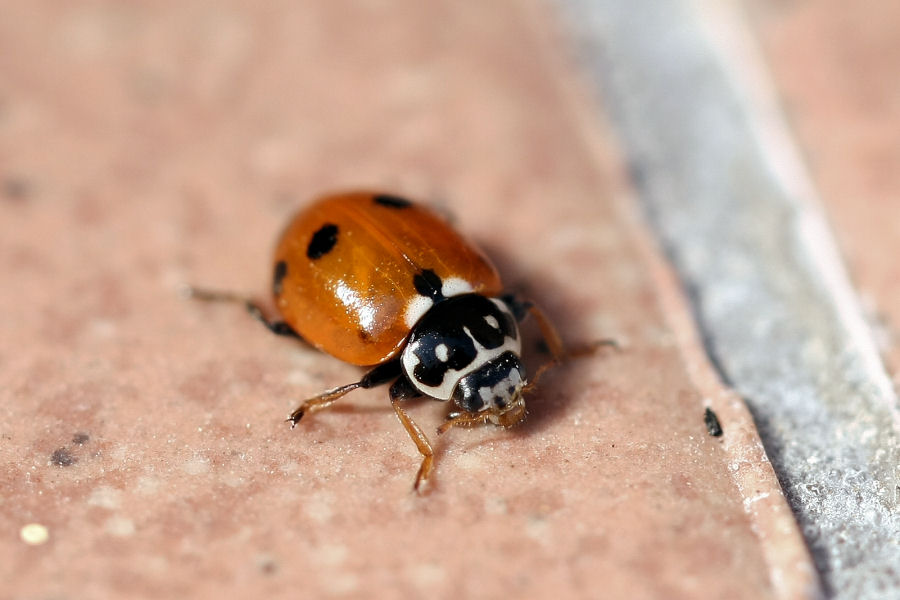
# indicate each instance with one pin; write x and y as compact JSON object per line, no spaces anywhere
{"x":548,"y":332}
{"x":323,"y":400}
{"x":379,"y":375}
{"x":559,"y":352}
{"x":276,"y":327}
{"x":463,"y":419}
{"x":400,"y":391}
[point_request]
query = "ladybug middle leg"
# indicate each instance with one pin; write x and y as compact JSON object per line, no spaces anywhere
{"x":400,"y":390}
{"x":276,"y":327}
{"x":380,"y":375}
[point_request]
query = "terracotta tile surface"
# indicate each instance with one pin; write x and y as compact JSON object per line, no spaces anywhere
{"x":143,"y":147}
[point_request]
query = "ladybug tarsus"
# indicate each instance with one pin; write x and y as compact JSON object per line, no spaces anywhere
{"x":327,"y":398}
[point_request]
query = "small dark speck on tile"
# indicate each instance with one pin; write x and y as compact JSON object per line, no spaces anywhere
{"x":81,"y":438}
{"x":62,"y":458}
{"x":638,"y":172}
{"x":16,"y":188}
{"x":267,"y":565}
{"x":712,"y":423}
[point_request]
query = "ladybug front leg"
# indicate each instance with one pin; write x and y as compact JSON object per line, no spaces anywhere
{"x":276,"y":327}
{"x":402,"y":390}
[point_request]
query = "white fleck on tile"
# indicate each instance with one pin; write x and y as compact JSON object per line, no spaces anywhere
{"x":538,"y":529}
{"x":233,"y":480}
{"x":34,"y":534}
{"x":342,"y":583}
{"x":470,"y":461}
{"x":426,"y":575}
{"x":495,"y":506}
{"x":106,"y":496}
{"x":320,"y":507}
{"x":147,"y":485}
{"x":197,"y":465}
{"x":120,"y":526}
{"x":331,"y":555}
{"x":289,"y":467}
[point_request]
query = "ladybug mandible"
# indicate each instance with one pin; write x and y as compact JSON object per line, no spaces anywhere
{"x":381,"y":282}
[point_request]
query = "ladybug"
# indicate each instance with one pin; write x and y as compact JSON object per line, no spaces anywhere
{"x":381,"y":282}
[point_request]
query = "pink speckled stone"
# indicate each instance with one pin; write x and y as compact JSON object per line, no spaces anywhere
{"x":144,"y":146}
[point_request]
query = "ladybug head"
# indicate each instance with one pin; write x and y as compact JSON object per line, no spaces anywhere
{"x":495,"y":388}
{"x":466,"y":348}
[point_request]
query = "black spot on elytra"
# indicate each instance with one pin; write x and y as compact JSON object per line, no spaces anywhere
{"x":428,"y":284}
{"x":81,"y":438}
{"x":278,"y":277}
{"x":391,"y":201}
{"x":713,"y":427}
{"x":322,"y":241}
{"x":62,"y":458}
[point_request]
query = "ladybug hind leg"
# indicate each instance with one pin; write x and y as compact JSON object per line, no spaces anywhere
{"x":401,"y":390}
{"x":252,"y":307}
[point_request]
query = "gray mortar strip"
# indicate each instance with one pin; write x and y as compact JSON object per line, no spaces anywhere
{"x":718,"y":175}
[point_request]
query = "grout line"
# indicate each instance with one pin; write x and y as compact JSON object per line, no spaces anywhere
{"x":791,"y":570}
{"x":734,"y":208}
{"x":726,"y":28}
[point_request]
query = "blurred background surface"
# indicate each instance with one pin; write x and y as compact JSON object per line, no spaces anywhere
{"x":714,"y":184}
